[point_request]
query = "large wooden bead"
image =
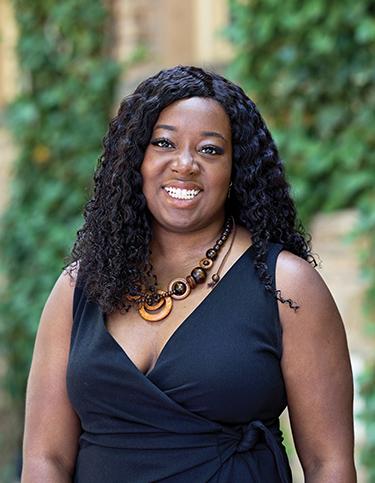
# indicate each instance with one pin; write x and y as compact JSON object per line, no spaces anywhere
{"x":180,"y":288}
{"x":199,"y":274}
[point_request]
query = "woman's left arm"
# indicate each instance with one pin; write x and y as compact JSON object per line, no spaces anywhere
{"x":317,"y":373}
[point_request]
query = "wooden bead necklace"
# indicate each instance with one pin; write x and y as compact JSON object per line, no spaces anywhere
{"x":155,"y":305}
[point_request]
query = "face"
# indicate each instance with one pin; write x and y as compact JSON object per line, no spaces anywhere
{"x":187,"y":165}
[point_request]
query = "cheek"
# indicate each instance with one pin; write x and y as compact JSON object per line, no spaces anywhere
{"x":151,"y":168}
{"x":220,"y":179}
{"x":147,"y":171}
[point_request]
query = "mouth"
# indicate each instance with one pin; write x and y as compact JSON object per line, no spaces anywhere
{"x":181,"y":193}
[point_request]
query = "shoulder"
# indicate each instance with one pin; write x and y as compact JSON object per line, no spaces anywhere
{"x":60,"y":298}
{"x":298,"y":280}
{"x":68,"y":277}
{"x":295,"y":274}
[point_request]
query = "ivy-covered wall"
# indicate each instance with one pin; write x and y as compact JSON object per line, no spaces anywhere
{"x":311,"y":68}
{"x":58,"y":120}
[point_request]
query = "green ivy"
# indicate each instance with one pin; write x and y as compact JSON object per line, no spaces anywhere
{"x":58,"y":120}
{"x":310,"y":66}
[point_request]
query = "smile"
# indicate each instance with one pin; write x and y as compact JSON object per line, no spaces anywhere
{"x":181,"y":194}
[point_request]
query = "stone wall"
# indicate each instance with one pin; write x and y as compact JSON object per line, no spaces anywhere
{"x":8,"y":63}
{"x":172,"y":33}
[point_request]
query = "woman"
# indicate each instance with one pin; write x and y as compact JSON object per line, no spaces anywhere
{"x":194,"y":316}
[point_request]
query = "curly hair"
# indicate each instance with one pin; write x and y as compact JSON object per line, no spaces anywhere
{"x":113,"y":246}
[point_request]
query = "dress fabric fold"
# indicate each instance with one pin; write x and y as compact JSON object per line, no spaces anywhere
{"x":209,"y":409}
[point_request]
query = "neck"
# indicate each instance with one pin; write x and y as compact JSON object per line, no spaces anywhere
{"x":173,"y":246}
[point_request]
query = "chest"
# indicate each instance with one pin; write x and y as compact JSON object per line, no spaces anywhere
{"x":143,"y":341}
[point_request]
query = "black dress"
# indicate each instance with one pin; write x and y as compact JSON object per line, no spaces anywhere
{"x":209,"y":409}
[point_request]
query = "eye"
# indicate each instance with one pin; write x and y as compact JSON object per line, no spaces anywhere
{"x":162,"y":143}
{"x":212,"y":150}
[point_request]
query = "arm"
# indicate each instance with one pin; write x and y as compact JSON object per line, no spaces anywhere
{"x":317,"y":373}
{"x":52,"y":428}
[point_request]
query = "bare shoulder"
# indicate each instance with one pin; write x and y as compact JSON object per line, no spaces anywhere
{"x":297,"y":279}
{"x":57,"y":315}
{"x":61,"y":294}
{"x":291,"y":268}
{"x":68,"y":277}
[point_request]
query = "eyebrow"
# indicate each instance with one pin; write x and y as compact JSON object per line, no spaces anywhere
{"x":203,"y":133}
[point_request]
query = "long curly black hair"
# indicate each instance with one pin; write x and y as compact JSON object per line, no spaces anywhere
{"x":113,"y":246}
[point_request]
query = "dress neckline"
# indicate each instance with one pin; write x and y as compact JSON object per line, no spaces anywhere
{"x":182,"y":325}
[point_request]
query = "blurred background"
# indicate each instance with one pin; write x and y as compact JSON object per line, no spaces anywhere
{"x":64,"y":67}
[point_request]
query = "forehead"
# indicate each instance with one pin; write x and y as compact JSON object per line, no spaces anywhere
{"x":196,"y":112}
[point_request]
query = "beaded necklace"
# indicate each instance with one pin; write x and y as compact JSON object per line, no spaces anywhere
{"x":157,"y":305}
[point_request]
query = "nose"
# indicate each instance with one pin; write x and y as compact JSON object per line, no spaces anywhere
{"x":184,"y":163}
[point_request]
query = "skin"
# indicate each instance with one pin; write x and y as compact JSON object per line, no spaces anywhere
{"x":315,"y":362}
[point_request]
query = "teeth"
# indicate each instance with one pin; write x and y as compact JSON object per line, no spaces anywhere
{"x":181,"y":194}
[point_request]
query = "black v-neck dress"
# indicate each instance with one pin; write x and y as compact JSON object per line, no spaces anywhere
{"x":209,"y":409}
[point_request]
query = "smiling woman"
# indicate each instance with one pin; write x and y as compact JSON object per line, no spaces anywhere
{"x":186,"y":169}
{"x":166,"y":350}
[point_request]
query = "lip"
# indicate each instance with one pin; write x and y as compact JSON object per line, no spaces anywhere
{"x":187,"y":185}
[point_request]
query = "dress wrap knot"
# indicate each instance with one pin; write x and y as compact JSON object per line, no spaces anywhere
{"x":256,"y":433}
{"x":250,"y":436}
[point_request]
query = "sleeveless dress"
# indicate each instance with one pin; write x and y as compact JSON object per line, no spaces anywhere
{"x":209,"y":409}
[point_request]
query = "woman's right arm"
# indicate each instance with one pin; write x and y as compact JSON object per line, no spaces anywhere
{"x":52,"y":427}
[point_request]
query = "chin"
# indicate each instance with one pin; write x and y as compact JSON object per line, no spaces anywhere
{"x":180,"y":222}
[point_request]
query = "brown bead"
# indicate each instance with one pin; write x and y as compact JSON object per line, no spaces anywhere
{"x":215,"y":277}
{"x":199,"y":274}
{"x":150,"y":300}
{"x":216,"y":248}
{"x":179,"y":288}
{"x":190,"y":280}
{"x":220,"y":242}
{"x":211,"y":254}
